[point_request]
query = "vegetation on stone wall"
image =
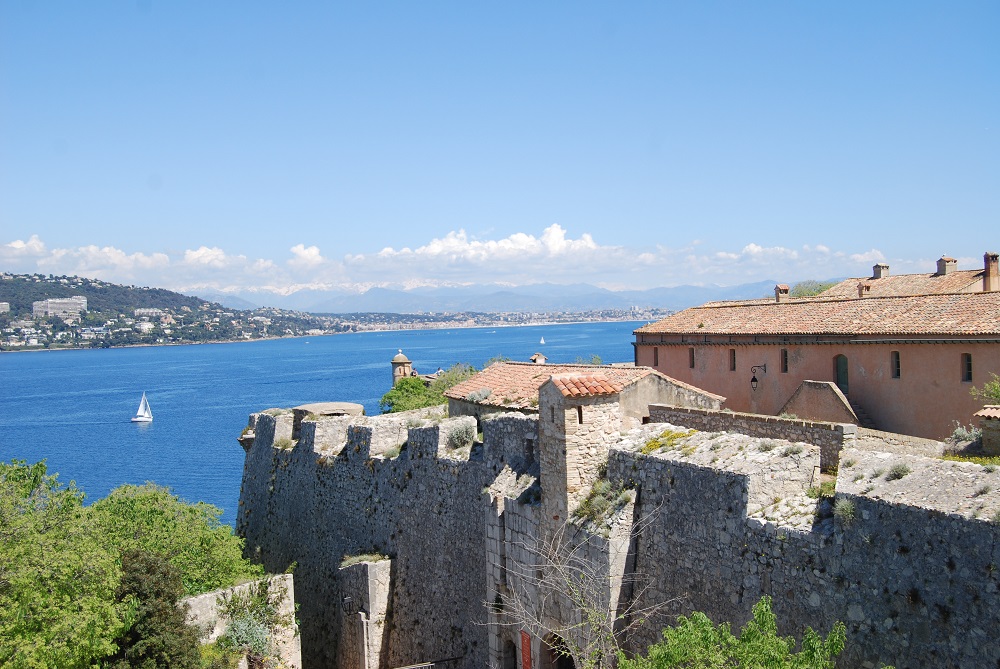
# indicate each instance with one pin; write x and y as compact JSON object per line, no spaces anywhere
{"x":81,"y":585}
{"x":695,"y":642}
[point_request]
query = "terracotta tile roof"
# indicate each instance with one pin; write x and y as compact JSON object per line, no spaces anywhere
{"x":515,"y":384}
{"x":585,"y":385}
{"x":956,"y":314}
{"x":989,"y":411}
{"x":909,"y":284}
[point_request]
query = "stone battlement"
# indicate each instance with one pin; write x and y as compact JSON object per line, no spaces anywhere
{"x":905,"y":553}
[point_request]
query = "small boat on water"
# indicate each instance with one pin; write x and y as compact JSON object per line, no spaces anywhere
{"x":143,"y":415}
{"x":543,"y":341}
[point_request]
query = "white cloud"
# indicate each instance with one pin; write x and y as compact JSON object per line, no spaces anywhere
{"x":33,"y":248}
{"x":306,"y":257}
{"x":209,"y":257}
{"x":870,"y":256}
{"x":554,"y":255}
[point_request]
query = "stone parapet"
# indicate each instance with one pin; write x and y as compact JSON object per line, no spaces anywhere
{"x":829,"y":437}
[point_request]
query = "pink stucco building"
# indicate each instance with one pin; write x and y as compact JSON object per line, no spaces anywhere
{"x":903,"y":350}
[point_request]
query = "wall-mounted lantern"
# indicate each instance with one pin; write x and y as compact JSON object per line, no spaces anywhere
{"x":753,"y":370}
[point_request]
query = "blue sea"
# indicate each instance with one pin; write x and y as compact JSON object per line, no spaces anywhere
{"x":72,"y":408}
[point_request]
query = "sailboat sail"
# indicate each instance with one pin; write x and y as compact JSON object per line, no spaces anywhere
{"x":143,"y":415}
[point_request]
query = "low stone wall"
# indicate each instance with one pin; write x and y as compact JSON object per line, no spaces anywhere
{"x":890,"y":442}
{"x":203,"y":613}
{"x":829,"y":437}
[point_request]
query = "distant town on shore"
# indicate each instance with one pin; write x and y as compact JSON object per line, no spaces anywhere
{"x":40,"y":312}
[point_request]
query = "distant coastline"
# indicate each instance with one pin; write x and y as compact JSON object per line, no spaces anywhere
{"x":439,"y":326}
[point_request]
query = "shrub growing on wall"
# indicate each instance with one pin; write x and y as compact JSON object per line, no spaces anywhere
{"x":695,"y":642}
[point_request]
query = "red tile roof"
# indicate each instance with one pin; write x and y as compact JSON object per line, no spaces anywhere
{"x":964,"y":281}
{"x":989,"y":411}
{"x":585,"y":385}
{"x":955,"y":314}
{"x":515,"y":384}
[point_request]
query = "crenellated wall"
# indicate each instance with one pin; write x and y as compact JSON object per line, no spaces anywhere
{"x":724,"y":513}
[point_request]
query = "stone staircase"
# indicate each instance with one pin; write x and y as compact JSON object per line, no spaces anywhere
{"x":864,"y":419}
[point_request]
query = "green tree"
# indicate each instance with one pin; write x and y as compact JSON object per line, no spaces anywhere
{"x":190,"y":536}
{"x":990,"y":392}
{"x":412,"y":393}
{"x":810,"y":287}
{"x":696,"y":643}
{"x":159,"y":638}
{"x":57,"y":575}
{"x":408,"y":393}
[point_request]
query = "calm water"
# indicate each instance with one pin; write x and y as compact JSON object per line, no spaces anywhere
{"x":72,"y":408}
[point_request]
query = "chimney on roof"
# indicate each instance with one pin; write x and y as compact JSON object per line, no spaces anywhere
{"x":991,"y":273}
{"x":946,"y":265}
{"x":780,"y":292}
{"x":864,"y":288}
{"x":880,"y":271}
{"x":538,"y":359}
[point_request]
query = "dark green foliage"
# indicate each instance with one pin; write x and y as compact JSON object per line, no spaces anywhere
{"x":148,"y":517}
{"x":63,"y":599}
{"x":159,"y":638}
{"x":22,"y":290}
{"x":696,"y":643}
{"x":57,"y":574}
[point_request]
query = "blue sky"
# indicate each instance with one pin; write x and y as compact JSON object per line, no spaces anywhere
{"x":268,"y":146}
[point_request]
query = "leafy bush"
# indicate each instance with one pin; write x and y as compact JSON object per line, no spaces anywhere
{"x":284,"y":443}
{"x":479,"y":395}
{"x":602,"y":501}
{"x":962,"y":433}
{"x":825,"y":489}
{"x":159,"y":637}
{"x":148,"y":517}
{"x":843,"y":510}
{"x":990,"y":392}
{"x":696,"y":642}
{"x":897,"y":471}
{"x":461,"y":436}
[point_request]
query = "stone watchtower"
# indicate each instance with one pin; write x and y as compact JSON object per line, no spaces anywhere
{"x":579,"y":418}
{"x":401,"y":367}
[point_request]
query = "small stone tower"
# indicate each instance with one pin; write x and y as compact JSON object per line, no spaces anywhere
{"x":579,"y":416}
{"x":401,"y":367}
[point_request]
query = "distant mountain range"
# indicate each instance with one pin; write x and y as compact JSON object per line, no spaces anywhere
{"x":539,"y":297}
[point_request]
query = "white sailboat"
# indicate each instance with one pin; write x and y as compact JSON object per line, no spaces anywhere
{"x":143,"y":415}
{"x":543,"y":341}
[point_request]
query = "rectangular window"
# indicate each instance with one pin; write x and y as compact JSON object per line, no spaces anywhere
{"x":967,"y":367}
{"x":579,"y":415}
{"x":691,"y":358}
{"x":732,"y":360}
{"x":656,"y":356}
{"x":784,"y":361}
{"x":894,"y":363}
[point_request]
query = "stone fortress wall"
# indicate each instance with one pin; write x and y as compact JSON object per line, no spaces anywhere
{"x":912,"y":571}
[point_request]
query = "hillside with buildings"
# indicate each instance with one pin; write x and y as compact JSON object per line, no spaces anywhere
{"x":46,"y":312}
